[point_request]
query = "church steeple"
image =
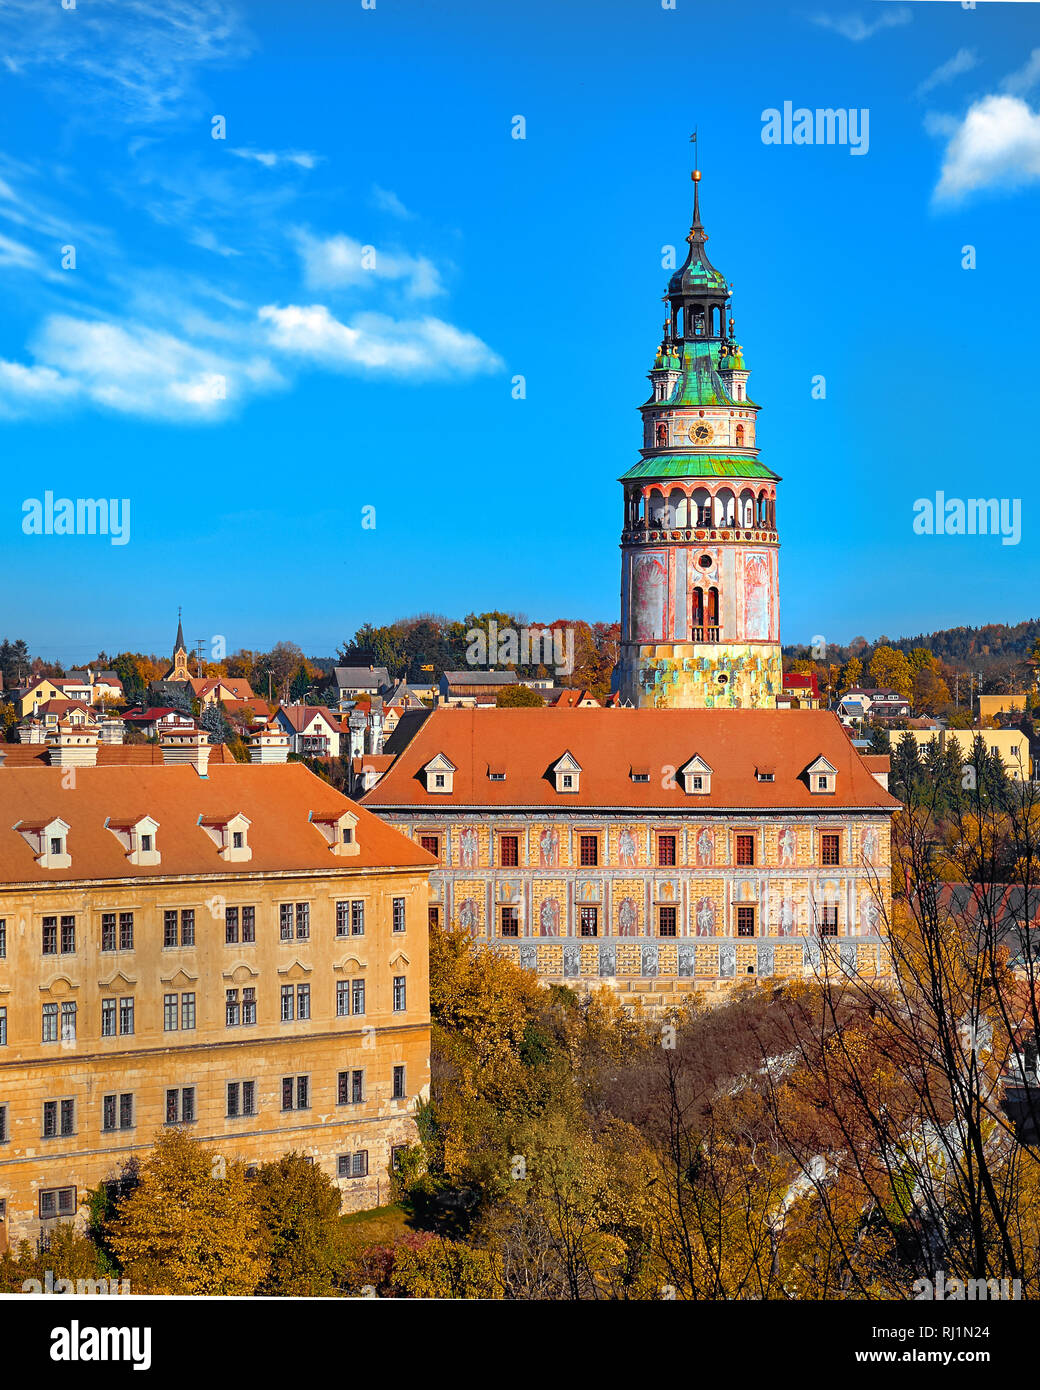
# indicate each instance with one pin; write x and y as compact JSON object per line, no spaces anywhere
{"x":179,"y":646}
{"x":699,"y":582}
{"x":179,"y":670}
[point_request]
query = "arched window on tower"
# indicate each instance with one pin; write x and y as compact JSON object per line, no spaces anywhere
{"x":740,"y":436}
{"x":713,"y":615}
{"x":697,"y":615}
{"x":662,"y":435}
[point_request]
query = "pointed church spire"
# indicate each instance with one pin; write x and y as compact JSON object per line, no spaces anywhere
{"x":179,"y":646}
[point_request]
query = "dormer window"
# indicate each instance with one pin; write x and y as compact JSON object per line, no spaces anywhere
{"x":567,"y":773}
{"x":48,"y":841}
{"x":765,"y":774}
{"x":496,"y":772}
{"x":339,"y":828}
{"x":231,"y":836}
{"x":640,"y":774}
{"x":440,"y":775}
{"x":823,"y":777}
{"x":696,"y":776}
{"x":137,"y":837}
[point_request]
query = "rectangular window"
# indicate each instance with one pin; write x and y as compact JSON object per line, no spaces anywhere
{"x":169,"y":928}
{"x":398,"y":1083}
{"x":589,"y":851}
{"x":666,"y":850}
{"x":249,"y":1005}
{"x":398,"y":914}
{"x":117,"y":1111}
{"x":830,"y":849}
{"x":188,"y":927}
{"x":745,"y":849}
{"x":230,"y":926}
{"x":126,"y":931}
{"x":234,"y":1100}
{"x":589,"y":921}
{"x":248,"y":1097}
{"x":357,"y":917}
{"x":173,"y":1107}
{"x":399,"y":994}
{"x":50,"y":1023}
{"x":50,"y":1119}
{"x":169,"y":1013}
{"x":57,"y":1201}
{"x":108,"y":1018}
{"x":433,"y":918}
{"x":3,"y":1124}
{"x":285,"y":921}
{"x":431,"y":844}
{"x":357,"y":996}
{"x":667,"y":921}
{"x":350,"y":1087}
{"x":188,"y":1103}
{"x":303,"y":1001}
{"x":109,"y":1112}
{"x":353,"y":1165}
{"x":3,"y":1025}
{"x":288,"y":995}
{"x":187,"y":1011}
{"x":68,"y":936}
{"x":342,"y":919}
{"x":510,"y":921}
{"x":126,"y":1110}
{"x":108,"y":931}
{"x":50,"y":936}
{"x":303,"y":921}
{"x":232,"y":1011}
{"x":68,"y":1117}
{"x":68,"y":1021}
{"x":126,"y":1015}
{"x":829,"y":920}
{"x":745,"y":921}
{"x":342,"y":998}
{"x":510,"y":851}
{"x":249,"y":924}
{"x":3,"y":938}
{"x":303,"y":1092}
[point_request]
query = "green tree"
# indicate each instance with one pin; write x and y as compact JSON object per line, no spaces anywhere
{"x":890,"y":669}
{"x":518,"y":697}
{"x":299,"y":1208}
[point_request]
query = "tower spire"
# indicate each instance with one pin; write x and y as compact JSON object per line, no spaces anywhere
{"x":179,"y":646}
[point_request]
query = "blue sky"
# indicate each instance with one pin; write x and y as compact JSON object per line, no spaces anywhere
{"x":207,"y":266}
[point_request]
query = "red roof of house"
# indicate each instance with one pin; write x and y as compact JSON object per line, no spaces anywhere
{"x":796,"y":680}
{"x":278,"y":801}
{"x":605,"y":742}
{"x":302,"y":716}
{"x":15,"y":755}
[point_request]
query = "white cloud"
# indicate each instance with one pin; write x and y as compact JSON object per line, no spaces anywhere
{"x":996,"y":145}
{"x":962,"y":61}
{"x":209,"y":242}
{"x":14,"y":253}
{"x":427,"y":347}
{"x":338,"y":262}
{"x":270,"y":159}
{"x":388,"y":201}
{"x":131,"y":369}
{"x":1026,"y":78}
{"x":24,"y":390}
{"x":132,"y":60}
{"x":856,"y":28}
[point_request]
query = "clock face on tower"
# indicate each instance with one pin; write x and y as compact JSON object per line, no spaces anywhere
{"x":701,"y":433}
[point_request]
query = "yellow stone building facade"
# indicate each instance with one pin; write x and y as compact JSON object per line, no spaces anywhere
{"x":242,"y":953}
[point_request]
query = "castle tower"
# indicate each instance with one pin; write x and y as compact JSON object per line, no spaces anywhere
{"x":179,"y":670}
{"x":700,"y":619}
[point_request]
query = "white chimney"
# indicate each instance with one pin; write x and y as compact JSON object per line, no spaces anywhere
{"x":185,"y":746}
{"x":269,"y":744}
{"x":73,"y":745}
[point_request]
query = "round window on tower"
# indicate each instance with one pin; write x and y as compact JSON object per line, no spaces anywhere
{"x":722,"y":678}
{"x":705,"y":562}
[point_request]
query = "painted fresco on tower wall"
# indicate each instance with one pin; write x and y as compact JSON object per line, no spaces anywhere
{"x":757,"y":604}
{"x":628,"y":917}
{"x":649,"y":595}
{"x":705,"y":847}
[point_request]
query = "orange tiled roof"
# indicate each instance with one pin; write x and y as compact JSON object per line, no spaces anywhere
{"x":604,"y":742}
{"x":108,"y":755}
{"x":277,"y":800}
